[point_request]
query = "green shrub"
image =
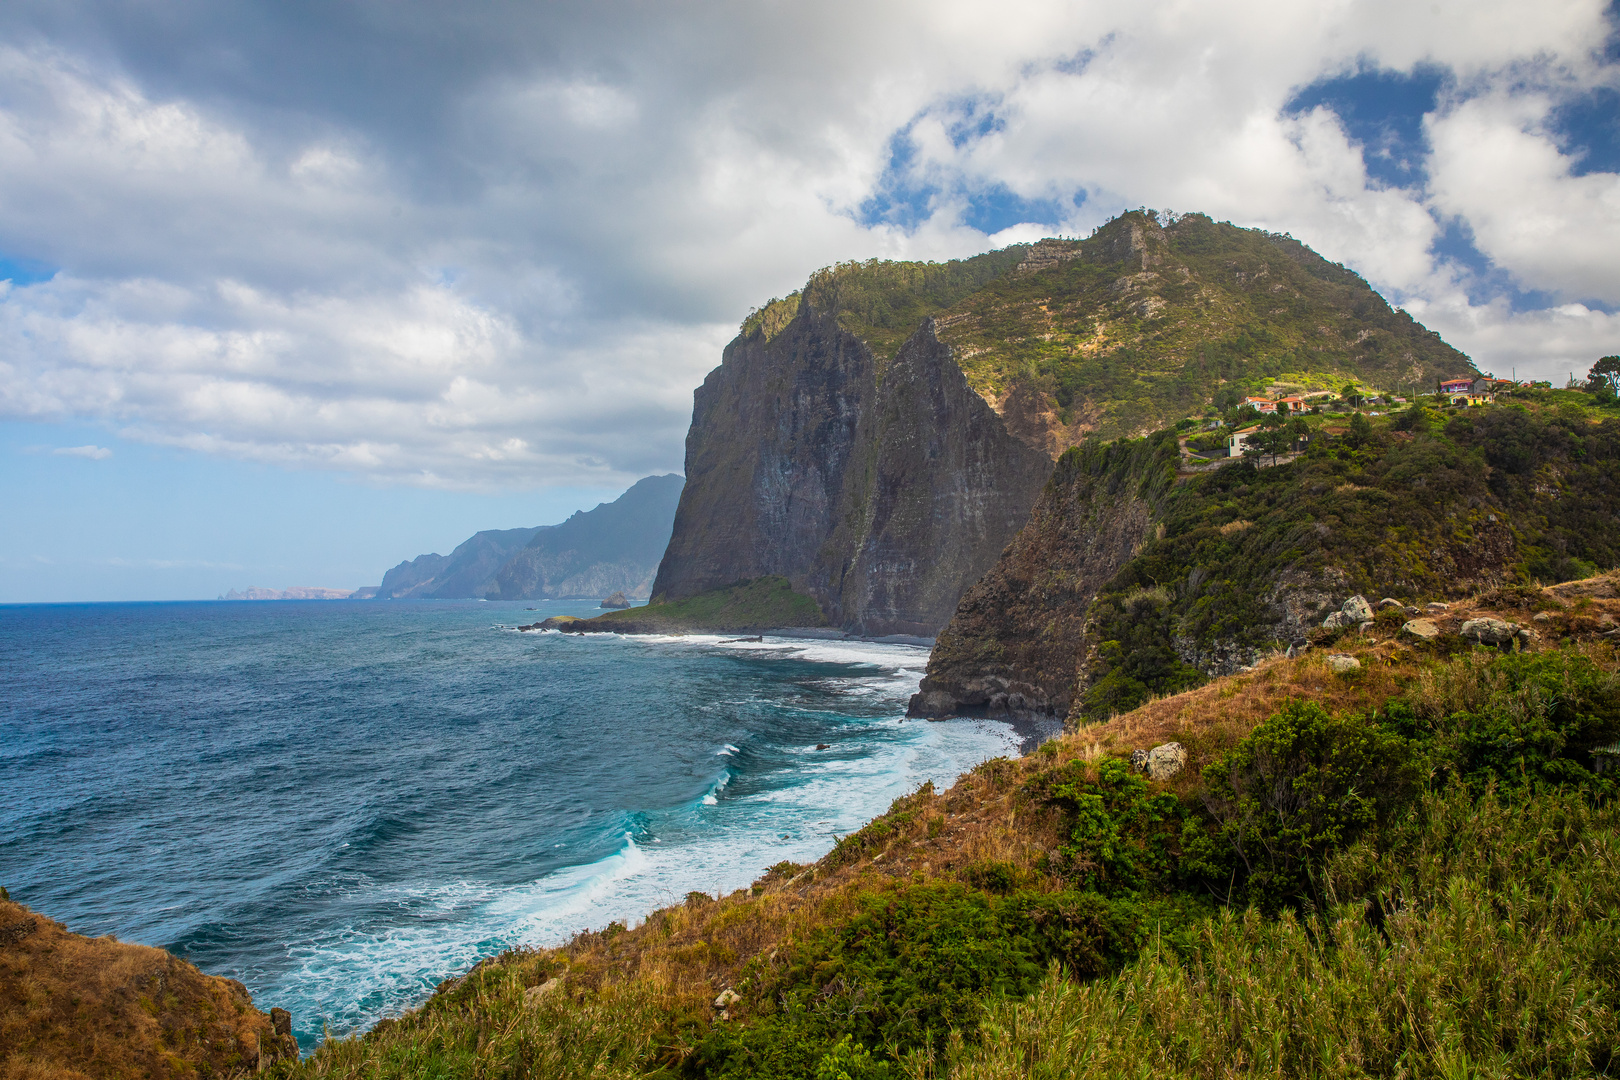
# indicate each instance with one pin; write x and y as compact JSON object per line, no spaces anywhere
{"x":1123,"y":838}
{"x":1303,"y":784}
{"x":1497,"y":954}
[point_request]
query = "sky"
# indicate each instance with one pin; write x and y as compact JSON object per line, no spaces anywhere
{"x":296,"y":290}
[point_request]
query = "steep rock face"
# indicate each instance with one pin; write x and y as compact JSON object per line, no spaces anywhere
{"x":613,"y":548}
{"x":883,"y":493}
{"x":1013,"y":645}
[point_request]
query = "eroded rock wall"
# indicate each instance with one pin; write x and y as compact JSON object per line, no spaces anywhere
{"x":881,"y":492}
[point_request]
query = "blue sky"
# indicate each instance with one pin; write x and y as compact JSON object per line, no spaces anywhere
{"x":120,"y":520}
{"x":462,"y":268}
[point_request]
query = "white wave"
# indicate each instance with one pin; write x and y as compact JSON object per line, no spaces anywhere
{"x":349,"y":978}
{"x":713,"y":796}
{"x":727,"y":750}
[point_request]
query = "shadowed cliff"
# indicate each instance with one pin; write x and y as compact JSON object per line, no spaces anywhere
{"x":880,"y":491}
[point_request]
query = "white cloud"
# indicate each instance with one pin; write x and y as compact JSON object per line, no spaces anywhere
{"x":1495,"y":168}
{"x":508,"y":262}
{"x":93,"y":452}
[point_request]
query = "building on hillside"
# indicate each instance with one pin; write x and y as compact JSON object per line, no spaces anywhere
{"x":1456,"y":386}
{"x":1260,"y":404}
{"x":1239,"y":440}
{"x":1292,"y":403}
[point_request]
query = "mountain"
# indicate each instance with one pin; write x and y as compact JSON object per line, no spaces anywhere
{"x":613,"y":548}
{"x":1137,"y":577}
{"x":879,"y":437}
{"x":462,"y":573}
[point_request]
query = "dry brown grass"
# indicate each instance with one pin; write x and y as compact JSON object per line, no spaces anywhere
{"x":73,"y":1006}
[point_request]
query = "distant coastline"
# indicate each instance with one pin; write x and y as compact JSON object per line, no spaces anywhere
{"x":300,"y":592}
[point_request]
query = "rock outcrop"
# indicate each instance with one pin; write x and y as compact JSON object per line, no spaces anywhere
{"x":882,"y":491}
{"x":1133,"y":579}
{"x":617,"y":601}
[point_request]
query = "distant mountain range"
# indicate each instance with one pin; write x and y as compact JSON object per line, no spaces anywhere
{"x":613,"y":548}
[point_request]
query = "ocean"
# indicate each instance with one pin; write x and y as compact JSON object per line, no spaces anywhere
{"x":343,"y":803}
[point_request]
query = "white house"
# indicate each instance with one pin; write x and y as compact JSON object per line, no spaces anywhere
{"x":1239,"y":439}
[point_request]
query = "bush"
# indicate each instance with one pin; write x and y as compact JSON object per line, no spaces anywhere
{"x":1303,"y":784}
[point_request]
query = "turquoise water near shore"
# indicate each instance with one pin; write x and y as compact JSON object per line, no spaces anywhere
{"x":343,"y":803}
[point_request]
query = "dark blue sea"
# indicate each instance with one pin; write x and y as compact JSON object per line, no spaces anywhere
{"x":342,"y":803}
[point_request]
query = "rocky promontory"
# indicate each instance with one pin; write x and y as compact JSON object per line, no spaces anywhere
{"x":75,"y":1006}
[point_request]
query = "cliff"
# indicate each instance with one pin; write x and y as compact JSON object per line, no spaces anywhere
{"x":612,"y":548}
{"x":1132,"y":581}
{"x":1011,"y":646}
{"x":73,"y":1006}
{"x":882,"y":491}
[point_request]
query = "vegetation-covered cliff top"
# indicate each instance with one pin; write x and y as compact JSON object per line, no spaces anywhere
{"x":1146,"y":321}
{"x":1390,"y":871}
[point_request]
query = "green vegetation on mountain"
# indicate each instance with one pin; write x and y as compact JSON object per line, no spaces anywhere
{"x":1408,"y":508}
{"x":882,"y":302}
{"x":1146,"y":321}
{"x":1413,"y":874}
{"x":1142,"y":324}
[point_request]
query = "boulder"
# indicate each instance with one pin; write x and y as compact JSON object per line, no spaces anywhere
{"x":1527,"y":637}
{"x":1421,"y":628}
{"x":1358,"y":609}
{"x":727,"y":998}
{"x":1337,"y":621}
{"x":556,"y":622}
{"x":1387,"y":602}
{"x":616,"y":601}
{"x":1341,"y":664}
{"x":1436,"y":607}
{"x":1139,"y":760}
{"x":532,"y":996}
{"x":1488,"y":631}
{"x":1165,"y":761}
{"x":1542,"y":616}
{"x":1298,"y":647}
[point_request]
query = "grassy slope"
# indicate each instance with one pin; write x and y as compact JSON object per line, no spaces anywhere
{"x":765,"y":603}
{"x":924,"y":945}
